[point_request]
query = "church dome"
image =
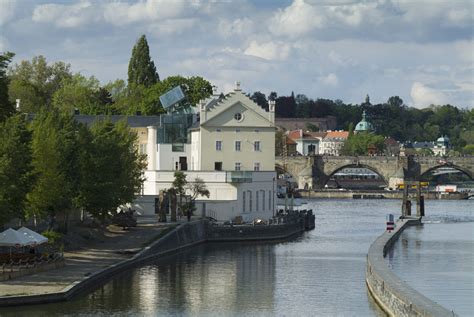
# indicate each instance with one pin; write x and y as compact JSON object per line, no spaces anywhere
{"x":364,"y":125}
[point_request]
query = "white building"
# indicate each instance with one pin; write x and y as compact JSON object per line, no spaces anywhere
{"x":333,"y":142}
{"x":231,"y":148}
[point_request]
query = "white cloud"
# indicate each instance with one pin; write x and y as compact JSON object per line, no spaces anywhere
{"x":120,"y":13}
{"x":269,"y":50}
{"x":7,"y":11}
{"x":330,"y":79}
{"x":423,"y":96}
{"x":171,"y":26}
{"x":296,"y":20}
{"x":67,"y":16}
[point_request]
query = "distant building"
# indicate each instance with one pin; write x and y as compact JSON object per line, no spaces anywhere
{"x":324,"y":124}
{"x":290,"y":146}
{"x":333,"y":142}
{"x":392,"y":147}
{"x":364,"y":125}
{"x":307,"y":143}
{"x":442,"y":146}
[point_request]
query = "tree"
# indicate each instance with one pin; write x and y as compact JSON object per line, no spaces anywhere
{"x":260,"y":99}
{"x":179,"y":185}
{"x":15,"y":168}
{"x":6,"y":106}
{"x":358,"y":144}
{"x":141,"y":69}
{"x":51,"y":192}
{"x":196,"y":188}
{"x":83,"y":94}
{"x":35,"y":82}
{"x":311,"y":127}
{"x":111,"y":168}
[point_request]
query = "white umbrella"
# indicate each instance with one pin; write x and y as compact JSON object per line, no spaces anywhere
{"x":33,"y":236}
{"x":12,"y":238}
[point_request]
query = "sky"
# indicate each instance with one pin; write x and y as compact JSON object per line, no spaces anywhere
{"x":422,"y":51}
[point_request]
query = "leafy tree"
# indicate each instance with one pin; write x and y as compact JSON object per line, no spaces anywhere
{"x":141,"y":69}
{"x":196,"y":188}
{"x":15,"y":168}
{"x":468,"y":149}
{"x":84,"y":94}
{"x":35,"y":82}
{"x":179,"y":185}
{"x":111,"y":168}
{"x":6,"y":107}
{"x":311,"y":127}
{"x":52,"y":191}
{"x":359,"y":143}
{"x":260,"y":99}
{"x":285,"y":107}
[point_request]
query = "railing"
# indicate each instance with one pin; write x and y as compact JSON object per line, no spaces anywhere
{"x":29,"y":263}
{"x":239,"y":177}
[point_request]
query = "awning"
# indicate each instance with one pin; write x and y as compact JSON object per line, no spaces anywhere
{"x":33,"y":236}
{"x":13,"y":238}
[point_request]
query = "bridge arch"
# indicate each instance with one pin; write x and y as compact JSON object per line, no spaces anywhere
{"x":465,"y":171}
{"x":371,"y":168}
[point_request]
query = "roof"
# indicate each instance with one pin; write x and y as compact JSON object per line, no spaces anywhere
{"x":364,"y":125}
{"x":337,"y":135}
{"x":289,"y":141}
{"x":390,"y":141}
{"x":300,"y":134}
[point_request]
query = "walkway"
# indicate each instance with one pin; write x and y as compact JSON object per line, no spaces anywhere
{"x":115,"y":247}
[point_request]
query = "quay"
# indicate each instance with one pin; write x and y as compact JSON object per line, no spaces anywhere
{"x":376,"y":194}
{"x":88,"y":268}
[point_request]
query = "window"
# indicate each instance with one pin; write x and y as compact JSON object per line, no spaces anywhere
{"x":250,"y":200}
{"x":218,"y":166}
{"x":237,"y":130}
{"x":256,"y":146}
{"x":218,"y":145}
{"x":143,"y":148}
{"x":237,"y":166}
{"x":256,"y":200}
{"x":238,"y":116}
{"x":243,"y":203}
{"x":263,"y":199}
{"x":218,"y":130}
{"x":257,"y":130}
{"x":237,"y":146}
{"x":269,"y":199}
{"x":256,"y":166}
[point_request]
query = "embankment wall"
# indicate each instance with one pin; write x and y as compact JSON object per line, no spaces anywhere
{"x":393,"y":295}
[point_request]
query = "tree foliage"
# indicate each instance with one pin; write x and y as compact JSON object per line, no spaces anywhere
{"x":358,"y":144}
{"x":6,"y":106}
{"x":141,"y":68}
{"x":15,"y":168}
{"x":35,"y":82}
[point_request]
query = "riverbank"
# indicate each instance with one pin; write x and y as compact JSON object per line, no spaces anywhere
{"x":393,"y":295}
{"x":90,"y":266}
{"x":375,"y":194}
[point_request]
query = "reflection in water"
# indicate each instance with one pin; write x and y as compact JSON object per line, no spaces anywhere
{"x":321,"y":273}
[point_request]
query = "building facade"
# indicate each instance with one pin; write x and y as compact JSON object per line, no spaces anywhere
{"x":231,"y":148}
{"x":333,"y":142}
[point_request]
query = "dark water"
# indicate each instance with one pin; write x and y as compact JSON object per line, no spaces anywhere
{"x":438,"y":258}
{"x":320,"y":273}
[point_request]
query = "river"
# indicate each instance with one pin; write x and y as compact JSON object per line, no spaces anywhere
{"x":320,"y":273}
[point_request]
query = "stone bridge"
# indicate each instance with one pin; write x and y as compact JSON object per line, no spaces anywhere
{"x":315,"y":171}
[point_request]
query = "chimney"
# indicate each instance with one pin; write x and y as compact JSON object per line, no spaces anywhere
{"x":202,"y":111}
{"x":237,"y":86}
{"x":215,"y":93}
{"x":271,"y":111}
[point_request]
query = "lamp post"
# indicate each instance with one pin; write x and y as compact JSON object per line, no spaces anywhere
{"x":273,"y":197}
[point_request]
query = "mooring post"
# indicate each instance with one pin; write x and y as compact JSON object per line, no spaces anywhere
{"x":405,"y":197}
{"x":418,"y":199}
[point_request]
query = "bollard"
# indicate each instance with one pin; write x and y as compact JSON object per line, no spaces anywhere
{"x":390,"y":223}
{"x":408,"y":208}
{"x":422,"y":206}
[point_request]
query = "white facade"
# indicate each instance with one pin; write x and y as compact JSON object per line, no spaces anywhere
{"x":231,"y":149}
{"x":331,"y":147}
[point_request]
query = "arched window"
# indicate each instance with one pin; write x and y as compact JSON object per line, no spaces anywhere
{"x":250,"y":200}
{"x":263,"y":199}
{"x":243,"y":202}
{"x":256,"y":201}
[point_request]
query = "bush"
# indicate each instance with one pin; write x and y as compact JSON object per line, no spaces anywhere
{"x":53,"y":236}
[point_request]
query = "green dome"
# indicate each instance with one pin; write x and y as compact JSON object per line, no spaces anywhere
{"x":364,"y":125}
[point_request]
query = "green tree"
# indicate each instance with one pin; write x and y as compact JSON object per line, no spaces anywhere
{"x":6,"y":106}
{"x":52,"y":191}
{"x":15,"y":168}
{"x":196,"y":189}
{"x":311,"y":127}
{"x":35,"y":82}
{"x":111,"y":168}
{"x":83,"y":94}
{"x":141,"y":69}
{"x":469,"y":149}
{"x":179,"y":185}
{"x":359,"y":143}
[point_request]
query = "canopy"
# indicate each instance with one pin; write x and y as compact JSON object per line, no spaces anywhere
{"x":12,"y":238}
{"x":32,"y":235}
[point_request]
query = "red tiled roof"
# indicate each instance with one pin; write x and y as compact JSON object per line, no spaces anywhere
{"x":337,"y":134}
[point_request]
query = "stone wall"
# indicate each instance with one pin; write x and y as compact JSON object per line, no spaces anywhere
{"x":249,"y":233}
{"x":393,"y":295}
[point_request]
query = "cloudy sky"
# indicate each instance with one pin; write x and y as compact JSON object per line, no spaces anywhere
{"x":422,"y":51}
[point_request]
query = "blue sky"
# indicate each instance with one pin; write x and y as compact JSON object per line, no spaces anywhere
{"x":422,"y":51}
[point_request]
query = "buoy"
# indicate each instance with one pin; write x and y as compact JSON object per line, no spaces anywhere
{"x":390,"y":223}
